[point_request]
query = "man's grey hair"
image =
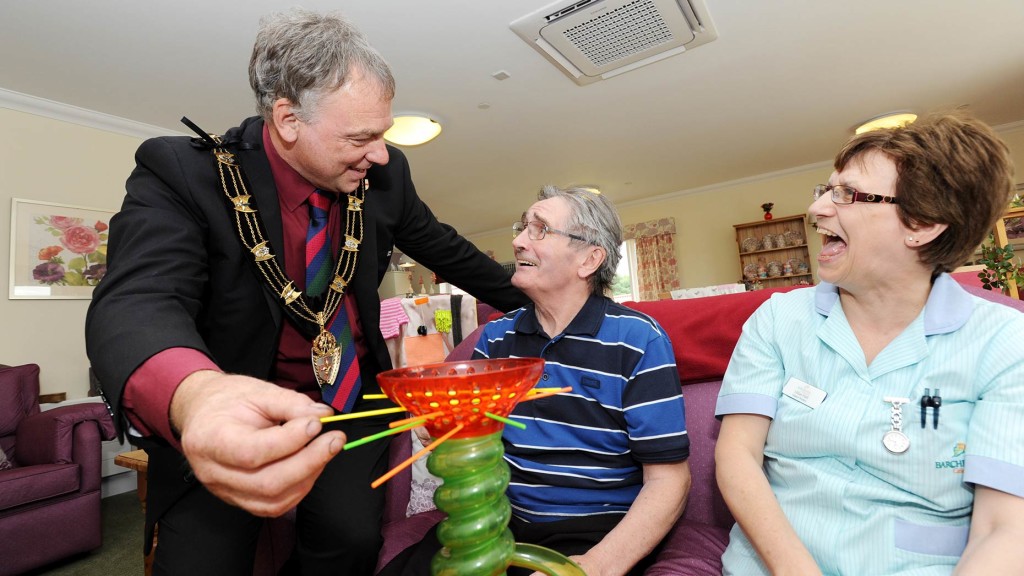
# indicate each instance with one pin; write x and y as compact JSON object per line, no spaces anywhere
{"x":593,"y":217}
{"x":303,"y":56}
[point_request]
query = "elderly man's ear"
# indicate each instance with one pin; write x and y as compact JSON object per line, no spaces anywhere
{"x":595,"y":256}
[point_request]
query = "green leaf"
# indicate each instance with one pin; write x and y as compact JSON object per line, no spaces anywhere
{"x":74,"y":278}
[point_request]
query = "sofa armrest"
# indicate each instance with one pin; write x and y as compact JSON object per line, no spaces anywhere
{"x":46,"y":437}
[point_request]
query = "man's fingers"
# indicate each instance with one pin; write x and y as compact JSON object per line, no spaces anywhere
{"x":273,"y":489}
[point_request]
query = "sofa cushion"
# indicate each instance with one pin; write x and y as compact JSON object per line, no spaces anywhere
{"x":705,"y":504}
{"x":19,"y":395}
{"x":34,"y":483}
{"x":691,"y":549}
{"x":703,"y":354}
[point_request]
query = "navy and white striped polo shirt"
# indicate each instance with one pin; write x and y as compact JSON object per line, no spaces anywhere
{"x":582,"y":452}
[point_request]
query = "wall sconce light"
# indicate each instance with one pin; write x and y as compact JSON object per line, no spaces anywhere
{"x":412,"y":129}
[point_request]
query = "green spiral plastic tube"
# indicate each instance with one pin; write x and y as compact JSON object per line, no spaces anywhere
{"x":475,"y":536}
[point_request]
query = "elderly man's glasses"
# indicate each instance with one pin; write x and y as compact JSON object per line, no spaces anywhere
{"x":846,"y":195}
{"x":538,"y":230}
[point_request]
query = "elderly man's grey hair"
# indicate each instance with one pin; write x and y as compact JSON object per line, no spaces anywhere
{"x":593,"y":217}
{"x":302,"y":56}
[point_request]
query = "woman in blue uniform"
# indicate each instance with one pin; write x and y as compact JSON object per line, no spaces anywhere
{"x":872,"y":424}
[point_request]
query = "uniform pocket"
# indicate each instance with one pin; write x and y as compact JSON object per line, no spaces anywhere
{"x":932,"y":539}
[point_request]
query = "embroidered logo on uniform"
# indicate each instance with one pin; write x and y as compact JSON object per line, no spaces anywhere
{"x":956,"y":464}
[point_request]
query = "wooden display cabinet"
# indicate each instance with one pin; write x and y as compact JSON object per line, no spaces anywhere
{"x":764,"y":261}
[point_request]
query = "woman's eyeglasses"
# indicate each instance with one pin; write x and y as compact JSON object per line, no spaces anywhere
{"x":847,"y":195}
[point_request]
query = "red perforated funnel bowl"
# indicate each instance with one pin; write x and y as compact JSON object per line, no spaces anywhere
{"x":463,"y":391}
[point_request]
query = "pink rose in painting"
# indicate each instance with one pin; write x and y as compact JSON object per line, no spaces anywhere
{"x":64,"y":222}
{"x":101,"y":226}
{"x":80,"y":239}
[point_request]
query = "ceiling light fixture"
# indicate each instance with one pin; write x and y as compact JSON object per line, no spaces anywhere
{"x":891,"y":120}
{"x":412,"y":129}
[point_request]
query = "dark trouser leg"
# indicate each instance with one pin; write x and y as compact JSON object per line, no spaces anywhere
{"x":570,"y":537}
{"x":414,"y":560}
{"x":339,"y":521}
{"x":202,"y":535}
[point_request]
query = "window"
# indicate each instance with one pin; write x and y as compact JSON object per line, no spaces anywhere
{"x":624,"y":285}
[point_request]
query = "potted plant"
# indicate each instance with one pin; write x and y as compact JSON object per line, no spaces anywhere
{"x":1000,"y":264}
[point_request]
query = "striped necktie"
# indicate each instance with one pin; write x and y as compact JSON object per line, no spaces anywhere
{"x":343,"y":393}
{"x":319,"y":263}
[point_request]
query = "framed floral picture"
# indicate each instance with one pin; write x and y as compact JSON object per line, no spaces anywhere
{"x":57,"y":251}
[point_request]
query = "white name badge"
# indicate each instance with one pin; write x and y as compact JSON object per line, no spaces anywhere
{"x":804,"y":393}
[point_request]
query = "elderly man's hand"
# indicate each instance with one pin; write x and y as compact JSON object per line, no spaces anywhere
{"x":251,"y":443}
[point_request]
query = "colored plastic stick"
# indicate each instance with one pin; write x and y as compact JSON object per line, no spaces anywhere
{"x":545,"y":395}
{"x":420,"y":419}
{"x":375,"y":396}
{"x":353,"y":415}
{"x":378,"y":436}
{"x":504,"y":420}
{"x":408,"y":461}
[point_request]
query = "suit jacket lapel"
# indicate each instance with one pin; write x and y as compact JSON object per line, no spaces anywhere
{"x":260,"y":183}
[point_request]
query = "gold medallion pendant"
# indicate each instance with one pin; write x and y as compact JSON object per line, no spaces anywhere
{"x":326,"y":356}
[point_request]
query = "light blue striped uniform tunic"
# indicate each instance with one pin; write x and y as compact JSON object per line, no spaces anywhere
{"x":858,"y":508}
{"x":582,"y":451}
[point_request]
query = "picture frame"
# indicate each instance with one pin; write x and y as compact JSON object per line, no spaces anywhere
{"x":58,"y":251}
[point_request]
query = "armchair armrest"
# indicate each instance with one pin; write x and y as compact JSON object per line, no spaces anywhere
{"x":46,"y":437}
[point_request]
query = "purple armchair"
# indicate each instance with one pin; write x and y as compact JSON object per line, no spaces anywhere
{"x":50,"y":496}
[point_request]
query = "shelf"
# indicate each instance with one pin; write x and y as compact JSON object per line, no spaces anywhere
{"x":760,"y":223}
{"x":782,"y":226}
{"x":754,"y":252}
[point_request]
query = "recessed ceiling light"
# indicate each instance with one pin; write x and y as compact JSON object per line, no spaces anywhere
{"x":412,"y":129}
{"x":891,"y":120}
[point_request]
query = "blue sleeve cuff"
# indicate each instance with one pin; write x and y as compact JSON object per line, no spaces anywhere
{"x":993,"y":473}
{"x":746,"y":403}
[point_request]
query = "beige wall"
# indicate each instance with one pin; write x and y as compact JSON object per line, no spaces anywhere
{"x":54,"y":161}
{"x":705,"y":242}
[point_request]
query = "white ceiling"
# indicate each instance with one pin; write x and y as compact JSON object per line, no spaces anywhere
{"x":781,"y":87}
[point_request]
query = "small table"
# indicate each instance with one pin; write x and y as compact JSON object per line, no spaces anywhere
{"x":138,"y":460}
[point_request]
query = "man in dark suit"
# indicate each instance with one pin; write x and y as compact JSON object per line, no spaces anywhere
{"x":203,"y":339}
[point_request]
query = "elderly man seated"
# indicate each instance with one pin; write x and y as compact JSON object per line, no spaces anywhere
{"x":599,"y":473}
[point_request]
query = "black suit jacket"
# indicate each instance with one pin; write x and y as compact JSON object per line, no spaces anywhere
{"x":178,"y":275}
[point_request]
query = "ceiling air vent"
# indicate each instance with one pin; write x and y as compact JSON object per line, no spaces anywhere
{"x":593,"y":40}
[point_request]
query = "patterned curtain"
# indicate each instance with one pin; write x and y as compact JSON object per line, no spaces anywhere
{"x":656,"y":256}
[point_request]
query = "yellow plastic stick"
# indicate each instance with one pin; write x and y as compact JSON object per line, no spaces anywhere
{"x":545,"y":390}
{"x":375,"y":396}
{"x":353,"y":415}
{"x":408,"y":461}
{"x":546,"y":394}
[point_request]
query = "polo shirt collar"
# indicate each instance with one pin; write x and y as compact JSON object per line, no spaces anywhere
{"x":948,"y":308}
{"x":586,"y":323}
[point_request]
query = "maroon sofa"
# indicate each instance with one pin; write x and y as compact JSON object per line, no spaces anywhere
{"x":704,"y":332}
{"x":50,"y":498}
